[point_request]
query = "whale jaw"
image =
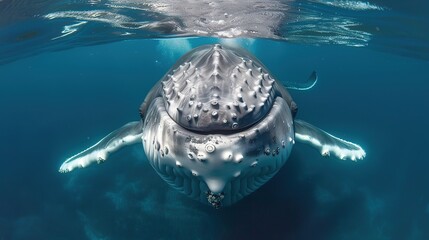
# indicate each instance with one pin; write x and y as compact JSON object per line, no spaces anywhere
{"x":218,"y":169}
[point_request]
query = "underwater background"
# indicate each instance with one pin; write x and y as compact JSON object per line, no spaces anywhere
{"x":60,"y":95}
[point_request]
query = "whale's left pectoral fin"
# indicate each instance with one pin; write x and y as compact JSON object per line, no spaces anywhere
{"x":326,"y":143}
{"x":128,"y":134}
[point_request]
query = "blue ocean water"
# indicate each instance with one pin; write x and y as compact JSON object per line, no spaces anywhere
{"x":56,"y":103}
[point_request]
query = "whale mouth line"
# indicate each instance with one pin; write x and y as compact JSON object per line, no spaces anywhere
{"x":224,"y":132}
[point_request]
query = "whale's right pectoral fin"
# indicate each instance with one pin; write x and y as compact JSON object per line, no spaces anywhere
{"x":326,"y":143}
{"x":128,"y":134}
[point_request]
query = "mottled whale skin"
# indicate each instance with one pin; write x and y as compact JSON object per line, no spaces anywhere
{"x":216,"y":127}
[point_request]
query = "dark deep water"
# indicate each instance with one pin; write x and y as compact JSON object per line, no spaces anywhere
{"x":54,"y":104}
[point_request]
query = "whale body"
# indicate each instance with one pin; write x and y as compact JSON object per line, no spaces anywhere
{"x":217,"y":127}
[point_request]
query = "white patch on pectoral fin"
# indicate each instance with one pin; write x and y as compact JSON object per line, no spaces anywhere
{"x":128,"y":134}
{"x":327,"y":143}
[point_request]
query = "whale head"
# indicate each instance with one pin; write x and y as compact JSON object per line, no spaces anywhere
{"x":219,"y":127}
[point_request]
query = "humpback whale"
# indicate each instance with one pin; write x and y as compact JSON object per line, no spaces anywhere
{"x":217,"y":127}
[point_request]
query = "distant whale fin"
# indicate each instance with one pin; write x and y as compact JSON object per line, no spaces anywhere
{"x":128,"y":134}
{"x":326,"y":143}
{"x":303,"y":84}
